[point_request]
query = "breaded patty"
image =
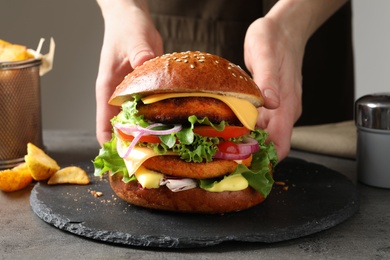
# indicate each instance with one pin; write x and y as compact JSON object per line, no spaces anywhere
{"x":177,"y":110}
{"x":174,"y":166}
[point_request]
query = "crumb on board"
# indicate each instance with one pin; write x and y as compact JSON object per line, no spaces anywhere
{"x":96,"y":193}
{"x":283,"y":184}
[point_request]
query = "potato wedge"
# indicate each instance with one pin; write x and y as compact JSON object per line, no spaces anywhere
{"x":15,"y":179}
{"x":13,"y":52}
{"x":69,"y":175}
{"x":41,"y":165}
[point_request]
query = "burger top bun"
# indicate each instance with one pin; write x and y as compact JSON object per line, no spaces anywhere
{"x":188,"y":72}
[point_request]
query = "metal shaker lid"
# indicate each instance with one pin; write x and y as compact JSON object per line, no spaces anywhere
{"x":373,"y":111}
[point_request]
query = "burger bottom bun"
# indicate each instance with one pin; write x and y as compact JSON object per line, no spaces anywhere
{"x":193,"y":201}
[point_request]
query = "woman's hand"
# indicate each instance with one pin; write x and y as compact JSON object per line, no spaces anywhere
{"x":273,"y":51}
{"x":275,"y":61}
{"x":130,"y":39}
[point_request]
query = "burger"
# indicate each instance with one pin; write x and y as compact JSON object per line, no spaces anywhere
{"x":186,"y":139}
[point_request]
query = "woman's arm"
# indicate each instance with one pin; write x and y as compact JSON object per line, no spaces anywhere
{"x":273,"y":52}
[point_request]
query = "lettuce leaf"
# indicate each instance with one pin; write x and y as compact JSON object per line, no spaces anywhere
{"x":258,"y":174}
{"x":109,"y":160}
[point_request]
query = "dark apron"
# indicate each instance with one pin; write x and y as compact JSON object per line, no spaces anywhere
{"x":219,"y":27}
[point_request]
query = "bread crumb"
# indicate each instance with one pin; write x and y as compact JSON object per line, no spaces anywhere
{"x":96,"y":193}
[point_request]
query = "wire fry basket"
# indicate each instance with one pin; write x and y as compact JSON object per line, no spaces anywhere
{"x":20,"y":110}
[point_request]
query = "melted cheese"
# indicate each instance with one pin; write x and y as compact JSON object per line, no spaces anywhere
{"x":230,"y":183}
{"x":147,"y":178}
{"x":137,"y":157}
{"x":245,"y":111}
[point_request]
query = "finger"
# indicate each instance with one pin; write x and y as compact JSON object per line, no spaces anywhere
{"x":104,"y":111}
{"x":278,"y":124}
{"x":145,"y":49}
{"x":270,"y":90}
{"x":140,"y":54}
{"x":263,"y":62}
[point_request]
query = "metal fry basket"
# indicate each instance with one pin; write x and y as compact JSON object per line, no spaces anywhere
{"x":20,"y":110}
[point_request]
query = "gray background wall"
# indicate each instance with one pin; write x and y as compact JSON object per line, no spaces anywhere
{"x":68,"y":97}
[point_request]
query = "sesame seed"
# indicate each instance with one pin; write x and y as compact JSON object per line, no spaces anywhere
{"x":192,"y":66}
{"x":234,"y":75}
{"x":201,"y":61}
{"x":216,"y":61}
{"x":178,"y":60}
{"x":186,"y":61}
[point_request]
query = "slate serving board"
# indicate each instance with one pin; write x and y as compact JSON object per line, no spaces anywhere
{"x":317,"y":199}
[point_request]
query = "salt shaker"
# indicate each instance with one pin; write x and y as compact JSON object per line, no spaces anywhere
{"x":372,"y":119}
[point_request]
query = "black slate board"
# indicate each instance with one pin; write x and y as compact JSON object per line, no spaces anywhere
{"x":317,"y":199}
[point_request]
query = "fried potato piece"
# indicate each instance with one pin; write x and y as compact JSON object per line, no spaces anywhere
{"x":41,"y":165}
{"x":15,"y":179}
{"x":70,"y":175}
{"x":13,"y":52}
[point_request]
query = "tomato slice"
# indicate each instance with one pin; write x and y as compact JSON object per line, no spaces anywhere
{"x":228,"y":132}
{"x":146,"y":138}
{"x":228,"y":147}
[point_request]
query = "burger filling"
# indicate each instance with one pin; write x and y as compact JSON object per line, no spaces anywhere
{"x":187,"y":142}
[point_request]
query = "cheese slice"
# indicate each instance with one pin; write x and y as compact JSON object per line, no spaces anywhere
{"x":245,"y":111}
{"x":147,"y":178}
{"x":138,"y":156}
{"x":230,"y":183}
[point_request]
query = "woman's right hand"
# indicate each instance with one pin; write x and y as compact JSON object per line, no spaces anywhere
{"x":130,"y":39}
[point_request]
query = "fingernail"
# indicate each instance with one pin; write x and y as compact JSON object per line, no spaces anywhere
{"x":270,"y":94}
{"x":142,"y":56}
{"x":272,"y":99}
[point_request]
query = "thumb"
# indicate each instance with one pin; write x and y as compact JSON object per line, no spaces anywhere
{"x":140,"y":54}
{"x":265,"y":75}
{"x":270,"y":91}
{"x":260,"y":60}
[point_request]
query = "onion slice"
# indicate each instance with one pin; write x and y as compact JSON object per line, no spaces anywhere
{"x":176,"y":184}
{"x":138,"y":131}
{"x":248,"y":146}
{"x":230,"y":156}
{"x":245,"y":149}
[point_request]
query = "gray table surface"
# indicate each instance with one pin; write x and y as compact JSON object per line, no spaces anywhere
{"x":25,"y":236}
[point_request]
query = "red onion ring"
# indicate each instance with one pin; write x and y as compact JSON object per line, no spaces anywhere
{"x":245,"y":149}
{"x":138,"y":131}
{"x":134,"y":129}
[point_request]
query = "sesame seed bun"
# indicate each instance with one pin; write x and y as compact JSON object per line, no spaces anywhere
{"x":188,"y":72}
